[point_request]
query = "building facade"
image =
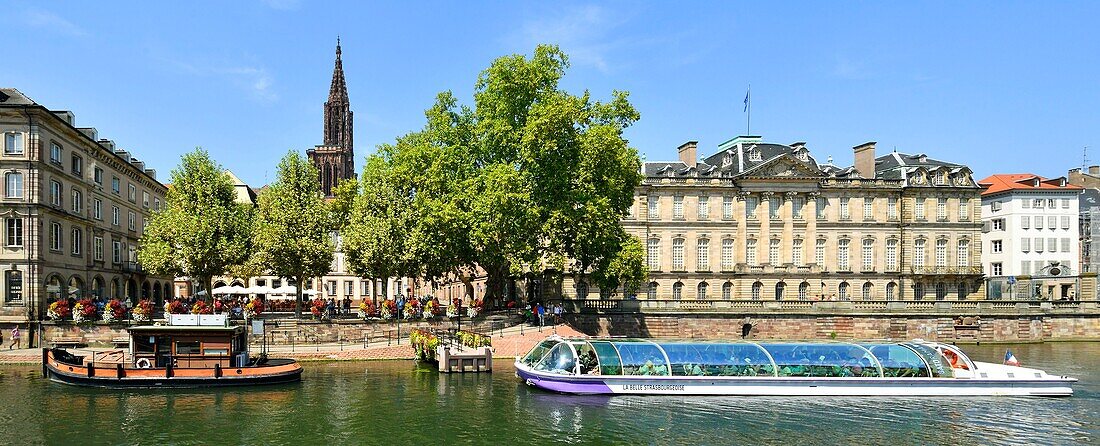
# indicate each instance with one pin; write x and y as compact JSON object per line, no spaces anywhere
{"x":1088,"y":206}
{"x":335,"y":159}
{"x":766,"y":221}
{"x":1031,"y":230}
{"x":74,"y":208}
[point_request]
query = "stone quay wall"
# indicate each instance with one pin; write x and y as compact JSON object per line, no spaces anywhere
{"x":940,"y":321}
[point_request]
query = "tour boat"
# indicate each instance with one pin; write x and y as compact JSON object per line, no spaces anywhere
{"x":172,"y":356}
{"x":642,"y":366}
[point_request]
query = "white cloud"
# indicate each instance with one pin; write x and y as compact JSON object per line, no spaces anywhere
{"x":256,"y":81}
{"x":580,"y":32}
{"x":38,"y":18}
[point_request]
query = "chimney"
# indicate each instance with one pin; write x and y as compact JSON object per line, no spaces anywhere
{"x":865,"y":159}
{"x":1094,"y":170}
{"x":688,"y":153}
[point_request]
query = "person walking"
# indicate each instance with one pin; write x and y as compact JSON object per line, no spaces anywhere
{"x":14,"y":337}
{"x":557,"y":313}
{"x":542,"y":316}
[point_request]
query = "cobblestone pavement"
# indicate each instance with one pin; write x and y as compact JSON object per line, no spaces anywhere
{"x":514,"y":341}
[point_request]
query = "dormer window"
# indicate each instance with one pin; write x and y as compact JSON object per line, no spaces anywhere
{"x":670,"y":172}
{"x":922,"y":158}
{"x":754,"y":155}
{"x":1063,"y":182}
{"x":1036,"y":181}
{"x":803,"y":156}
{"x":727,"y":160}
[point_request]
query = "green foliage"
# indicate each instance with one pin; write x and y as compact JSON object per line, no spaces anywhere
{"x":202,"y":230}
{"x":292,"y":231}
{"x":529,"y":174}
{"x":626,"y":268}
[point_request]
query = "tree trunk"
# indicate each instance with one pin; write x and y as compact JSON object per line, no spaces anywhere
{"x":207,"y":283}
{"x":298,"y":298}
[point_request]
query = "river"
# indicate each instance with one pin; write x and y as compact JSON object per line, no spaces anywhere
{"x":397,"y":403}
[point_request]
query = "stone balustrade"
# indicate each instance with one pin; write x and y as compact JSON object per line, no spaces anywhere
{"x":854,"y":307}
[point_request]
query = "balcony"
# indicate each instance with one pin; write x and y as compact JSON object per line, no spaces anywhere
{"x":133,"y":267}
{"x":946,"y":270}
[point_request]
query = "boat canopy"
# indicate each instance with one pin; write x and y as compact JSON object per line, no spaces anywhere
{"x":643,"y":357}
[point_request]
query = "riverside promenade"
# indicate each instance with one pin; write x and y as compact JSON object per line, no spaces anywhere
{"x":507,"y":343}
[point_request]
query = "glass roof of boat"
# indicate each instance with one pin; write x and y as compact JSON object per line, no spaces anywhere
{"x":644,"y":357}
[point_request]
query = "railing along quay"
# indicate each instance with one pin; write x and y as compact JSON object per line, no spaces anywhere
{"x":658,"y":306}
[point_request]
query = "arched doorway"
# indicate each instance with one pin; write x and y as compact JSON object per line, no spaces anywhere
{"x":145,"y":289}
{"x":116,"y":288}
{"x":779,"y":289}
{"x":76,"y":288}
{"x":156,"y":292}
{"x":131,"y":290}
{"x":803,"y":290}
{"x":756,"y":288}
{"x":54,"y":289}
{"x":98,"y":289}
{"x":167,"y":291}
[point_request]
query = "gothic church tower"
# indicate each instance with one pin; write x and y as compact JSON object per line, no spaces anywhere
{"x":335,"y":159}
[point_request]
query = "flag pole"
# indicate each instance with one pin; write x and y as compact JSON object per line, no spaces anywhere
{"x":748,"y":108}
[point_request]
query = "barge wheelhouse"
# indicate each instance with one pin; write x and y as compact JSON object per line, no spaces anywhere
{"x":917,"y":368}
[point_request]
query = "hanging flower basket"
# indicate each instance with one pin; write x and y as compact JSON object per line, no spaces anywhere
{"x":59,"y":310}
{"x":143,"y":311}
{"x":115,"y":311}
{"x":84,"y":311}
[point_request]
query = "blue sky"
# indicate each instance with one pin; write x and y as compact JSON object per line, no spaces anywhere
{"x":1000,"y":86}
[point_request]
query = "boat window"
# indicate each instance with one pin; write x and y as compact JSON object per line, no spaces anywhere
{"x":216,"y":352}
{"x":538,"y":352}
{"x":898,"y":361}
{"x":559,"y":360}
{"x":718,"y":359}
{"x":936,"y":362}
{"x":642,"y":359}
{"x":608,"y":358}
{"x":187,"y":347}
{"x":144,"y":344}
{"x":822,"y":360}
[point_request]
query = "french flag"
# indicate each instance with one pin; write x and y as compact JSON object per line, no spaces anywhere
{"x":1010,"y":359}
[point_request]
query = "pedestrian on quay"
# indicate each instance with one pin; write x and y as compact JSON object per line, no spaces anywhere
{"x":557,"y":313}
{"x":14,"y":337}
{"x":542,"y":316}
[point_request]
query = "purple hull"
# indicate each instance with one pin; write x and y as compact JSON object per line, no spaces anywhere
{"x":574,"y":386}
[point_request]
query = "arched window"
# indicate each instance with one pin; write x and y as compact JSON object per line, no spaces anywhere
{"x":701,"y":291}
{"x":97,"y":288}
{"x":582,"y":290}
{"x":843,"y":290}
{"x":13,"y":185}
{"x":756,"y":288}
{"x":145,"y":290}
{"x":891,"y":289}
{"x":167,"y":292}
{"x":116,"y":289}
{"x":962,"y":291}
{"x":779,"y":289}
{"x":868,"y":291}
{"x":156,"y":292}
{"x":677,"y":290}
{"x":918,"y":291}
{"x":941,"y":291}
{"x":727,"y":291}
{"x":54,"y":290}
{"x":651,"y":293}
{"x":76,"y":288}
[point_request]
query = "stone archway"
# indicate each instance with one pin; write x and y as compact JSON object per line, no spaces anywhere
{"x":76,"y":288}
{"x":145,"y":289}
{"x":98,"y":289}
{"x":156,"y":292}
{"x":131,"y":290}
{"x":54,"y":289}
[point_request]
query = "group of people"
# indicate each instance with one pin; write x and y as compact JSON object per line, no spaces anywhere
{"x":541,"y":313}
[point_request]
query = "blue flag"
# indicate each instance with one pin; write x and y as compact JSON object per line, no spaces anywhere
{"x":746,"y":101}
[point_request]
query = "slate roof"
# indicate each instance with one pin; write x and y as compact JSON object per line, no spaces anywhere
{"x":1089,"y":199}
{"x":11,"y":96}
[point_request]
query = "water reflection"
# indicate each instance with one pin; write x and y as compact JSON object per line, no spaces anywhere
{"x":391,"y":403}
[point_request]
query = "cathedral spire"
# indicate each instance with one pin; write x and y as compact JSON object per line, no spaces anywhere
{"x":339,"y":90}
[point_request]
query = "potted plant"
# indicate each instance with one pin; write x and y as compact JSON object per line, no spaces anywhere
{"x":201,"y":307}
{"x":253,"y":308}
{"x":143,"y":311}
{"x":424,"y":344}
{"x":475,"y":308}
{"x":412,"y":309}
{"x":59,"y":310}
{"x":84,"y":311}
{"x":367,"y":310}
{"x":317,"y":308}
{"x":175,"y":307}
{"x":389,"y":309}
{"x":432,"y":309}
{"x":115,"y":311}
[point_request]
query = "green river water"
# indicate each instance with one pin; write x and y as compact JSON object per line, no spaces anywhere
{"x":399,"y":403}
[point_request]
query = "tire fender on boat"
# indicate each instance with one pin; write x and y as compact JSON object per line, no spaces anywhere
{"x":143,"y":363}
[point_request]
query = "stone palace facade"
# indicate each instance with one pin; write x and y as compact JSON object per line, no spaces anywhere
{"x":764,"y":221}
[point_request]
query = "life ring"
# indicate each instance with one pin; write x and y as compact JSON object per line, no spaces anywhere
{"x":954,"y":360}
{"x":143,"y":363}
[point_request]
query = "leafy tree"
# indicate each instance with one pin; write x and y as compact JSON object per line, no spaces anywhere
{"x":201,"y":231}
{"x":627,"y":268}
{"x":529,"y":173}
{"x":292,"y":234}
{"x":374,"y":241}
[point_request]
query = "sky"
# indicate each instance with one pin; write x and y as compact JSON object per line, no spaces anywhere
{"x":1002,"y":87}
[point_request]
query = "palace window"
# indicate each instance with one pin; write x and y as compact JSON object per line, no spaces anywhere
{"x":677,"y":290}
{"x":842,"y":255}
{"x":678,"y":254}
{"x":941,"y":209}
{"x":14,"y":232}
{"x":868,"y":291}
{"x":918,"y":253}
{"x":868,"y":209}
{"x":702,"y":254}
{"x":55,"y":153}
{"x":844,"y":213}
{"x":77,"y":240}
{"x":941,"y":252}
{"x":803,"y":291}
{"x":918,"y":208}
{"x":704,"y":208}
{"x":918,"y":291}
{"x":774,"y":204}
{"x":654,"y":210}
{"x":750,"y":251}
{"x":796,"y":251}
{"x":891,"y":208}
{"x":819,"y":252}
{"x":750,"y":207}
{"x":678,"y":206}
{"x":822,"y":204}
{"x":727,"y":291}
{"x":773,"y":251}
{"x":727,"y":208}
{"x":962,"y":256}
{"x":651,"y":293}
{"x":701,"y":292}
{"x":13,"y":185}
{"x":55,"y":193}
{"x":891,"y":289}
{"x":97,"y":248}
{"x":756,"y":288}
{"x":843,"y":290}
{"x":964,"y":209}
{"x":727,"y":254}
{"x":653,"y":254}
{"x":892,"y":254}
{"x":868,"y":254}
{"x":55,"y":236}
{"x":13,"y":143}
